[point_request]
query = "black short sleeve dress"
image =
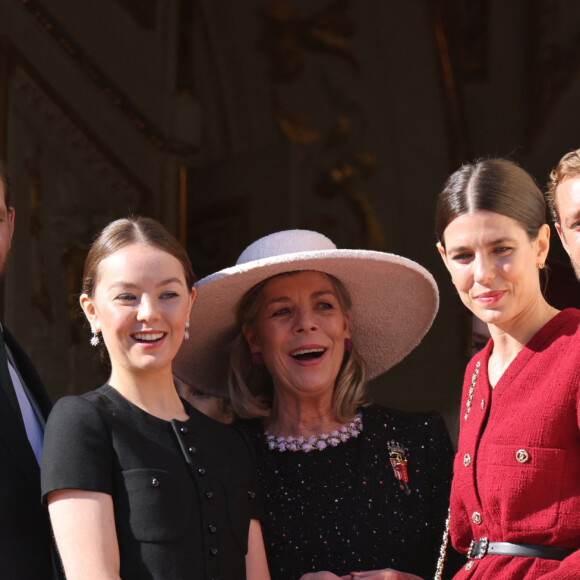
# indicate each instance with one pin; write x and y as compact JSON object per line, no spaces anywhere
{"x":183,"y":491}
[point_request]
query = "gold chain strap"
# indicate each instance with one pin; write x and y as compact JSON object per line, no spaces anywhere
{"x":443,"y":548}
{"x":444,"y":543}
{"x":471,"y":389}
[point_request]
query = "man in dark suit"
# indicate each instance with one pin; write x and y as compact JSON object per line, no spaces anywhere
{"x":26,"y":551}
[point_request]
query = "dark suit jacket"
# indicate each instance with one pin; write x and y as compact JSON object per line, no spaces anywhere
{"x":25,"y":535}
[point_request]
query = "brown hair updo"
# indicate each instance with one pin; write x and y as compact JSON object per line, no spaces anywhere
{"x":496,"y":185}
{"x":133,"y":230}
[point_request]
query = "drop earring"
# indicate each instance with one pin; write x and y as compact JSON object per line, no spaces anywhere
{"x":95,"y":338}
{"x":186,"y":333}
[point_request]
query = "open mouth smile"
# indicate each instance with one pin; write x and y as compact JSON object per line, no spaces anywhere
{"x":308,"y":354}
{"x":148,"y":337}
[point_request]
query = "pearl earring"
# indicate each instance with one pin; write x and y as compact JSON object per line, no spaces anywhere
{"x":186,"y":333}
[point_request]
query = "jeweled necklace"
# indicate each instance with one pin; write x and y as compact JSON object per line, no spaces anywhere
{"x":319,"y":442}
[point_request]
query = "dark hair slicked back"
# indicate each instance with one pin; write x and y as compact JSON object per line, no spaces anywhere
{"x":497,"y":185}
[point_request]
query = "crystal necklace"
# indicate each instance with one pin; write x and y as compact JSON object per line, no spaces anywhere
{"x":319,"y":442}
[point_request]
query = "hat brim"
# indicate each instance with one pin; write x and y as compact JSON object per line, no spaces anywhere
{"x":394,"y":302}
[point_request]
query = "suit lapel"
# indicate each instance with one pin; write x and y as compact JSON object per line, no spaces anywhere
{"x":30,"y":377}
{"x":14,"y":436}
{"x":29,"y":394}
{"x":11,"y":430}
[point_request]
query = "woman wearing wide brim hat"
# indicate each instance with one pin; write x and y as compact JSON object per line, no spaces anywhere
{"x":290,"y":335}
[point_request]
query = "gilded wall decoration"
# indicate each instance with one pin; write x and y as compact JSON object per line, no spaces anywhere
{"x":449,"y":42}
{"x":295,"y":126}
{"x":341,"y":181}
{"x":461,"y":31}
{"x":466,"y":25}
{"x":287,"y":36}
{"x":290,"y":39}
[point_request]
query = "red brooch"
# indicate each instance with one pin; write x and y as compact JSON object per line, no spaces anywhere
{"x":399,"y":463}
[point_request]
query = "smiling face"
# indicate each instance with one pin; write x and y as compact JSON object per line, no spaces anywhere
{"x":494,"y":265}
{"x":300,"y":331}
{"x":140,"y":303}
{"x":568,"y":225}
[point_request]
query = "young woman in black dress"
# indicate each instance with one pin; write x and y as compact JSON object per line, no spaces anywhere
{"x":139,"y":484}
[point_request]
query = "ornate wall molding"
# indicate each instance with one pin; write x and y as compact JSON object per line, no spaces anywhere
{"x":448,"y":44}
{"x":15,"y":67}
{"x":107,"y":88}
{"x":289,"y":40}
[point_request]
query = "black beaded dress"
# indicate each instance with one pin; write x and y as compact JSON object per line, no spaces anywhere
{"x":342,"y":509}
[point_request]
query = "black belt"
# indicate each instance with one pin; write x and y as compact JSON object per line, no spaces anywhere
{"x":483,"y":547}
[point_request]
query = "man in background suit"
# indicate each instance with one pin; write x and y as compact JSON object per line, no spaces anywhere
{"x":25,"y":534}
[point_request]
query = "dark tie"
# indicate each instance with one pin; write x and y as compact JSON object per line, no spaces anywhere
{"x":5,"y":379}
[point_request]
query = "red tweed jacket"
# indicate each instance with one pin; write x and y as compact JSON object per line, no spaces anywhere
{"x":517,"y":469}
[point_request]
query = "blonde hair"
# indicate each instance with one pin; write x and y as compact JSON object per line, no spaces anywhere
{"x":250,"y":386}
{"x":569,"y":166}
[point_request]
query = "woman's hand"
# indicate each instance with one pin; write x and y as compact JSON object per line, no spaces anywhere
{"x":386,"y":574}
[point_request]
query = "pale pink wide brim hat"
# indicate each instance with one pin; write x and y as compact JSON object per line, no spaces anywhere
{"x":394,"y":302}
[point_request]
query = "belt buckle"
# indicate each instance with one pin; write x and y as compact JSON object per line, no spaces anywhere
{"x":482,"y":549}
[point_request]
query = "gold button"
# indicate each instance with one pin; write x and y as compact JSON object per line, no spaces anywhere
{"x":522,"y":455}
{"x":467,"y":460}
{"x":470,"y":564}
{"x":482,"y":404}
{"x":476,"y":518}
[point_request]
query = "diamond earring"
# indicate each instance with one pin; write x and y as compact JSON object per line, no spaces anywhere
{"x":95,"y":338}
{"x":186,"y":333}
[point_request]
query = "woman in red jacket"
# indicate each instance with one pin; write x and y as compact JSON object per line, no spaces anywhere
{"x":515,"y":499}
